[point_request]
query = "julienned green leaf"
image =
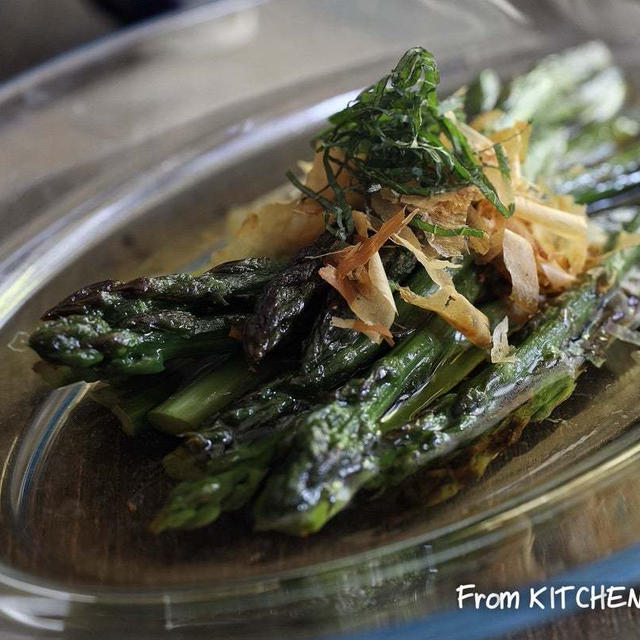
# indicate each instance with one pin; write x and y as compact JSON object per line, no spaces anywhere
{"x":437,"y":230}
{"x":503,"y":163}
{"x":394,"y":135}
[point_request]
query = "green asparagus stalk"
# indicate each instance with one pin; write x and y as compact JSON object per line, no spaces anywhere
{"x":618,"y":174}
{"x":553,"y":91}
{"x":597,"y":142}
{"x":338,"y":435}
{"x":130,"y":404}
{"x":337,"y":354}
{"x":401,"y":369}
{"x":115,"y":301}
{"x":186,"y":409}
{"x":94,"y":349}
{"x":114,"y":328}
{"x":301,"y":497}
{"x":286,"y":300}
{"x":445,"y":479}
{"x":197,"y":502}
{"x":261,"y":412}
{"x":458,"y":363}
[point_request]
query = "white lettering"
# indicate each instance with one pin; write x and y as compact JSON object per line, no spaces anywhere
{"x":634,"y":599}
{"x":512,"y":598}
{"x":533,"y":597}
{"x":614,"y":601}
{"x":594,"y":597}
{"x":494,"y":601}
{"x":462,"y":596}
{"x":579,"y":602}
{"x":562,"y":591}
{"x":598,"y":597}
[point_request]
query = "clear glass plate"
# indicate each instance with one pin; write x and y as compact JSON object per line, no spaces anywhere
{"x":120,"y":160}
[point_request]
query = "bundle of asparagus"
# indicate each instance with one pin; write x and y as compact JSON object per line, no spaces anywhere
{"x":446,"y":301}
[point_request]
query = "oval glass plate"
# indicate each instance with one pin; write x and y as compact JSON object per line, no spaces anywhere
{"x":121,"y":160}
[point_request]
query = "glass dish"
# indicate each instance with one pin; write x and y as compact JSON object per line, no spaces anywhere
{"x":121,"y":159}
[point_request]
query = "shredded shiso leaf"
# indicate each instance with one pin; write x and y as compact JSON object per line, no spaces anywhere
{"x":396,"y":166}
{"x":394,"y":135}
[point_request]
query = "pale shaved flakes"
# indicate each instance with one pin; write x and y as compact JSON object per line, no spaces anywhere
{"x":361,"y":223}
{"x":597,"y":236}
{"x":566,"y":202}
{"x":486,"y":120}
{"x":626,"y":240}
{"x":567,"y":225}
{"x":477,"y":140}
{"x":449,"y":213}
{"x":558,"y":278}
{"x":381,"y":296}
{"x":437,"y":269}
{"x":375,"y":333}
{"x":576,"y":253}
{"x":501,"y":183}
{"x":520,"y":262}
{"x":514,"y":141}
{"x":272,"y":230}
{"x":487,"y":218}
{"x":444,"y":205}
{"x":500,"y":349}
{"x":360,"y":278}
{"x":316,"y":178}
{"x":360,"y":254}
{"x":456,"y":310}
{"x":481,"y":245}
{"x":305,"y":166}
{"x":368,"y":294}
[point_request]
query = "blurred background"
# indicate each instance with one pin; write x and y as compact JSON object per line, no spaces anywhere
{"x":31,"y":31}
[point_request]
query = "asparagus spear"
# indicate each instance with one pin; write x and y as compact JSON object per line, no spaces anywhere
{"x":597,"y":142}
{"x":618,"y":174}
{"x":212,"y":390}
{"x":460,"y":360}
{"x":401,"y":369}
{"x":196,"y":502}
{"x":261,"y":411}
{"x":113,"y":328}
{"x":285,"y":300}
{"x":301,"y":497}
{"x":95,"y":349}
{"x":115,"y":301}
{"x":551,"y":92}
{"x":131,"y":403}
{"x":443,"y":480}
